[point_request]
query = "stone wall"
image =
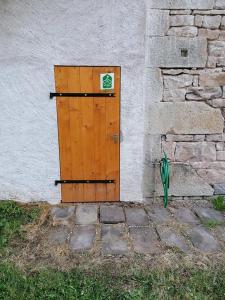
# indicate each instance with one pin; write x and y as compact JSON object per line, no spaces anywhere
{"x":187,"y":40}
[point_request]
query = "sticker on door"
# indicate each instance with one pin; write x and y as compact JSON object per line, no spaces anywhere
{"x":107,"y":81}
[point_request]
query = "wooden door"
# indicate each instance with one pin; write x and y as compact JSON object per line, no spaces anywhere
{"x":89,"y":134}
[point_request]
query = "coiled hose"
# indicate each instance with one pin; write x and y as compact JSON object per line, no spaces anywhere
{"x":165,"y":176}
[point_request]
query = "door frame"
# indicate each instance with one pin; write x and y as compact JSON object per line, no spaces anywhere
{"x":57,"y":119}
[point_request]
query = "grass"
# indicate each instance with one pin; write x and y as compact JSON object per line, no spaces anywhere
{"x":212,"y":223}
{"x":218,"y":203}
{"x":12,"y":216}
{"x":99,"y":285}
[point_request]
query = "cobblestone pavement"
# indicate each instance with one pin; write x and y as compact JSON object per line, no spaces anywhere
{"x":121,"y":229}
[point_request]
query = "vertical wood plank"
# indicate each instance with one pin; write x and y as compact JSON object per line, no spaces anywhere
{"x":75,"y":115}
{"x":87,"y":107}
{"x":113,"y":146}
{"x":63,"y":136}
{"x":100,"y":137}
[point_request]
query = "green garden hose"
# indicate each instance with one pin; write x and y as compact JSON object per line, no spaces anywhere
{"x":165,"y":176}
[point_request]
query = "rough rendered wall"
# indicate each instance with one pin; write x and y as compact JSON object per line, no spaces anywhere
{"x":35,"y":36}
{"x":185,"y":66}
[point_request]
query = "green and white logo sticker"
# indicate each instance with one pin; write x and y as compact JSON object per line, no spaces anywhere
{"x":107,"y":81}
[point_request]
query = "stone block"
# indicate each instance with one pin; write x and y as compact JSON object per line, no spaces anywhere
{"x":184,"y":182}
{"x":218,"y":103}
{"x":198,"y":21}
{"x":216,"y":48}
{"x":219,"y":188}
{"x":203,"y":93}
{"x":195,"y":80}
{"x":176,"y":82}
{"x":186,"y":152}
{"x":185,"y":31}
{"x":180,"y":12}
{"x":176,"y":95}
{"x":198,"y":138}
{"x":184,"y":118}
{"x":185,"y":216}
{"x":113,"y":239}
{"x":222,"y":35}
{"x":212,"y":79}
{"x":182,"y":20}
{"x":208,"y":214}
{"x":208,"y":33}
{"x":220,"y":146}
{"x":211,"y":62}
{"x":82,"y":238}
{"x":223,"y":23}
{"x":179,"y":138}
{"x":212,"y":22}
{"x":169,"y":149}
{"x":86,"y":214}
{"x":111,"y":214}
{"x":220,"y":155}
{"x":209,"y":165}
{"x":213,"y":12}
{"x":220,"y":4}
{"x":167,"y":52}
{"x":214,"y":137}
{"x":220,"y":62}
{"x":172,"y":239}
{"x":157,"y":22}
{"x":144,"y":240}
{"x":136,"y":216}
{"x":203,"y":240}
{"x":180,"y":4}
{"x":212,"y":175}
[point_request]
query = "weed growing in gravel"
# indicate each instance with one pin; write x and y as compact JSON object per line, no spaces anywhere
{"x":218,"y":203}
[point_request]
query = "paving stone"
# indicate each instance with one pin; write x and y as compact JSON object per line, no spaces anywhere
{"x":203,"y":240}
{"x":136,"y":216}
{"x":58,"y":235}
{"x":185,"y":216}
{"x":111,"y":214}
{"x":144,"y":239}
{"x":209,"y":214}
{"x":159,"y":215}
{"x":113,"y":239}
{"x":82,"y":238}
{"x":86,"y":214}
{"x":172,"y":238}
{"x":220,"y":230}
{"x":62,"y":215}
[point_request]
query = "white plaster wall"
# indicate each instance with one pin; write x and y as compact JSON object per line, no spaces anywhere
{"x":35,"y":35}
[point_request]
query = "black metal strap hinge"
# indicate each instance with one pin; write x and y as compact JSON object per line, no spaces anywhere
{"x":52,"y":95}
{"x":83,"y":181}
